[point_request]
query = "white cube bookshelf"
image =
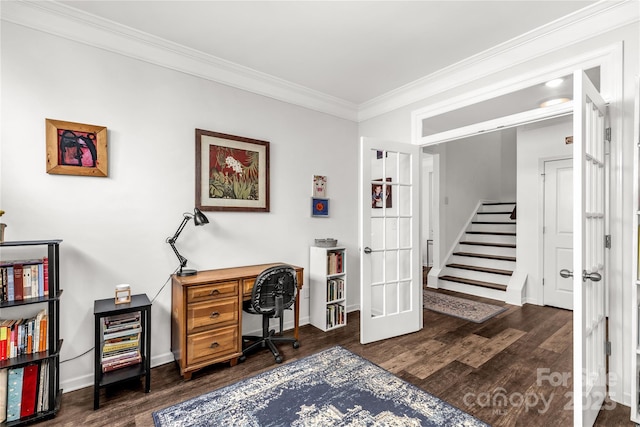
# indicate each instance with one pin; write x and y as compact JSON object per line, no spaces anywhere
{"x":328,"y":287}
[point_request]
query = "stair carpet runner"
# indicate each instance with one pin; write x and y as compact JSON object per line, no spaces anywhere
{"x":486,"y":252}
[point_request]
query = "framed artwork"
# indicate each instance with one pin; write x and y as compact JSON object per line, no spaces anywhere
{"x":319,"y":186}
{"x":381,"y":194}
{"x":319,"y":207}
{"x":232,"y":173}
{"x":76,"y":148}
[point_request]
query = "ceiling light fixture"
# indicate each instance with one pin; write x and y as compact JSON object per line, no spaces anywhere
{"x":554,"y":101}
{"x":554,"y":83}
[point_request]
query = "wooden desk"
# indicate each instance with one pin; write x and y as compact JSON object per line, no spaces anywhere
{"x":206,"y":315}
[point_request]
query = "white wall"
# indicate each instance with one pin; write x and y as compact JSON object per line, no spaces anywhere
{"x":114,"y":228}
{"x":536,"y":142}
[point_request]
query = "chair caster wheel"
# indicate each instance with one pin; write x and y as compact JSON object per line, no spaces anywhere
{"x":296,"y":344}
{"x":279,"y":359}
{"x":242,"y":358}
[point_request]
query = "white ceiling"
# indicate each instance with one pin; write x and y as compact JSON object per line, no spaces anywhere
{"x":355,"y":51}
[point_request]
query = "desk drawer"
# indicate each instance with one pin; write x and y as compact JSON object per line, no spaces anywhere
{"x":211,"y":291}
{"x":247,"y":286}
{"x":212,"y":344}
{"x":212,"y":313}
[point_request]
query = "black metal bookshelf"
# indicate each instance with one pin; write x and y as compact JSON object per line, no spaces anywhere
{"x":52,"y":354}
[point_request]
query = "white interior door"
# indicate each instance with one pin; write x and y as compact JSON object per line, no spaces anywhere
{"x":589,"y":315}
{"x":558,"y":232}
{"x":390,"y":264}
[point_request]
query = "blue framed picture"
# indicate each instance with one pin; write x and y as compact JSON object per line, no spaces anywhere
{"x":319,"y":207}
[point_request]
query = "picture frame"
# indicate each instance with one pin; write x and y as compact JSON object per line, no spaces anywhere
{"x":319,"y":186}
{"x":76,"y":148}
{"x":319,"y":207}
{"x":232,"y":173}
{"x":379,"y":200}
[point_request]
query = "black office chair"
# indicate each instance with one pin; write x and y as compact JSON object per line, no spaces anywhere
{"x":273,"y":292}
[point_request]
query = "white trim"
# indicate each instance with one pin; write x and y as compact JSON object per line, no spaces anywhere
{"x":609,"y":83}
{"x":584,"y":24}
{"x":500,"y":123}
{"x":63,"y":21}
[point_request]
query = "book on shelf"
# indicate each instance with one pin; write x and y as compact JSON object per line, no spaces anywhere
{"x":23,"y":336}
{"x":3,"y":394}
{"x":20,"y":279}
{"x":29,"y":390}
{"x":14,"y":393}
{"x":335,"y":262}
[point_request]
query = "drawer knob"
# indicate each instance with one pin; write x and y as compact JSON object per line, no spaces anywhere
{"x":214,"y":292}
{"x":214,"y":315}
{"x":214,"y":345}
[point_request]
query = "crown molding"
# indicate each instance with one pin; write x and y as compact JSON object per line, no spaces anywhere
{"x":584,"y":24}
{"x":60,"y":20}
{"x":63,"y":21}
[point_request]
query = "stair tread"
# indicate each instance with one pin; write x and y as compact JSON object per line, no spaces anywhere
{"x":498,"y":203}
{"x":481,"y":269}
{"x":494,"y":213}
{"x":492,"y":233}
{"x":498,"y":257}
{"x":499,"y":245}
{"x":475,"y":282}
{"x":493,"y":222}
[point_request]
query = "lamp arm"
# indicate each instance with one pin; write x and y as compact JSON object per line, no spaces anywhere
{"x":172,"y":240}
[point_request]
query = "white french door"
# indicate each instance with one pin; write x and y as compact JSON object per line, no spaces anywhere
{"x":589,"y":310}
{"x":390,"y":264}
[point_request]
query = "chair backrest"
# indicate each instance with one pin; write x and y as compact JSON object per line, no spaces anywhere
{"x":274,"y":289}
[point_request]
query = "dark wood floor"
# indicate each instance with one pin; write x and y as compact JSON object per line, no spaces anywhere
{"x":489,"y":370}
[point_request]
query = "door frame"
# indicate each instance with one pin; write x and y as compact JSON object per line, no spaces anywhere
{"x":609,"y":59}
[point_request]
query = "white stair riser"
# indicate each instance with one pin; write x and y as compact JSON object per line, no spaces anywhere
{"x":476,"y":275}
{"x":472,"y":290}
{"x":490,"y":238}
{"x":486,"y":250}
{"x":482,"y":262}
{"x":505,"y":228}
{"x":497,"y":208}
{"x":502,"y":217}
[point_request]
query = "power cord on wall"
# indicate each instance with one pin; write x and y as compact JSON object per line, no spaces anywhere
{"x":152,"y":300}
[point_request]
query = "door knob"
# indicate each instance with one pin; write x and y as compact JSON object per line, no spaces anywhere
{"x":594,"y":277}
{"x":367,"y":250}
{"x":566,"y":273}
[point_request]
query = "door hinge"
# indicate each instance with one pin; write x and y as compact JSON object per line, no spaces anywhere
{"x":607,"y":134}
{"x":607,"y":241}
{"x":542,"y":282}
{"x":607,"y":346}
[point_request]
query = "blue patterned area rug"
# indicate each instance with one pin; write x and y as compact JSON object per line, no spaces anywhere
{"x":332,"y":388}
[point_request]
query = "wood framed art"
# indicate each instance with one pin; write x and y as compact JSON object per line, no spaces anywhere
{"x":76,"y":148}
{"x":232,"y":173}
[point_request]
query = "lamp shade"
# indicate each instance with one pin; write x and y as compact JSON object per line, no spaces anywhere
{"x":199,"y":218}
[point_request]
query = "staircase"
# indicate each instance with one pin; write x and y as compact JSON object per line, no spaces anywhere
{"x":484,"y":259}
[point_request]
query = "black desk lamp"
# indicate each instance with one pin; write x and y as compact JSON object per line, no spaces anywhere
{"x":198,"y":219}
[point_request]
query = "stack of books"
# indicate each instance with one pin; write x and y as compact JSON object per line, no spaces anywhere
{"x":121,"y":341}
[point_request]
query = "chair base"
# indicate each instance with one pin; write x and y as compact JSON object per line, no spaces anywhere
{"x":251,"y":343}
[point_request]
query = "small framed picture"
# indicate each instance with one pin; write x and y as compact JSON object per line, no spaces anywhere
{"x":319,"y":207}
{"x":319,"y":186}
{"x":76,"y":148}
